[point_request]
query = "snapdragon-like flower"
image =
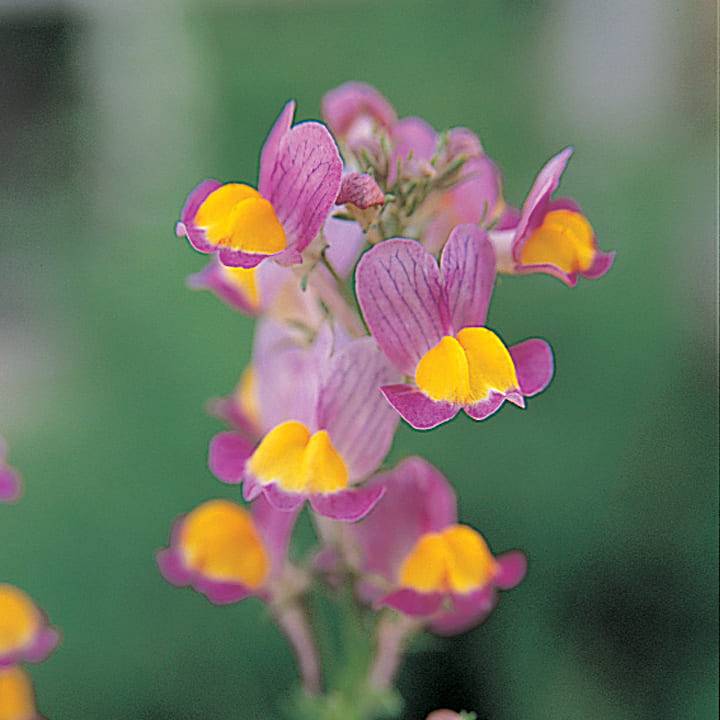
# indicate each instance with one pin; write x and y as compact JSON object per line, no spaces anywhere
{"x":417,"y":559}
{"x":299,"y":179}
{"x":551,"y":236}
{"x":25,"y":635}
{"x":326,"y":427}
{"x":10,"y":481}
{"x":17,"y":695}
{"x":429,"y":321}
{"x":228,"y":553}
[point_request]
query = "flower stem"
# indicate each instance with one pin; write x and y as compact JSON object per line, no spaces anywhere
{"x":293,"y":620}
{"x":391,"y":635}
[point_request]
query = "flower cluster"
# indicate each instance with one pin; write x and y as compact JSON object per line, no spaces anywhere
{"x":368,"y":254}
{"x":25,"y":635}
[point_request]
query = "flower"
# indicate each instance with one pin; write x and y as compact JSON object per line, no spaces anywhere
{"x":17,"y":696}
{"x":551,"y":236}
{"x":25,"y":635}
{"x":10,"y":481}
{"x":227,"y":552}
{"x":429,"y":321}
{"x":326,"y":428}
{"x":299,"y":179}
{"x":416,"y":558}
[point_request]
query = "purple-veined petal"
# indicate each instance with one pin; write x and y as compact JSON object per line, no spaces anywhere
{"x":271,"y":148}
{"x":418,"y":500}
{"x":304,"y":182}
{"x":418,"y":409}
{"x":347,"y":505}
{"x":512,"y":568}
{"x":468,"y":269}
{"x":352,"y":409}
{"x":361,"y":190}
{"x":413,"y":603}
{"x":229,"y":451}
{"x":468,"y":610}
{"x":534,"y":365}
{"x":401,"y":295}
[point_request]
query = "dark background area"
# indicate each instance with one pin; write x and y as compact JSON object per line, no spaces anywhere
{"x":110,"y":115}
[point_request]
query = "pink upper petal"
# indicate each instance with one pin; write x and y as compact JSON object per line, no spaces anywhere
{"x":534,"y":365}
{"x":536,"y":202}
{"x":304,"y":182}
{"x":400,"y":292}
{"x":271,"y":148}
{"x":352,"y":409}
{"x":468,"y":270}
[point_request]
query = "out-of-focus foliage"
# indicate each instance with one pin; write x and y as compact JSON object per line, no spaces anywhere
{"x":607,"y":480}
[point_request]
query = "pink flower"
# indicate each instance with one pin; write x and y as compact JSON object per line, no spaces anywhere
{"x":551,"y":236}
{"x":325,"y":428}
{"x":226,"y":552}
{"x":429,"y":321}
{"x":300,"y":175}
{"x":416,"y":558}
{"x":25,"y":635}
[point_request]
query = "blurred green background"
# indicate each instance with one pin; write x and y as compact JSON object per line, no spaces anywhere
{"x":111,"y":112}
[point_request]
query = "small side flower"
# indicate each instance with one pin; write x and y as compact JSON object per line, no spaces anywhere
{"x":551,"y":236}
{"x":226,"y":552}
